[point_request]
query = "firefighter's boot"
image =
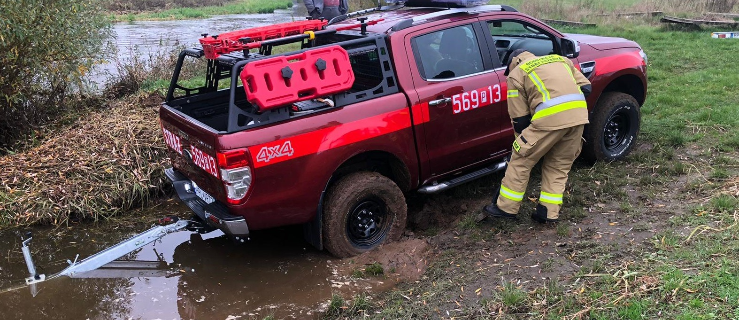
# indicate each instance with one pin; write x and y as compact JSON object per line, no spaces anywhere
{"x":540,"y":215}
{"x":493,"y":211}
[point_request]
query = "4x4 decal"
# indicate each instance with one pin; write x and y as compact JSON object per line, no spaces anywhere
{"x":269,"y":153}
{"x":329,"y":138}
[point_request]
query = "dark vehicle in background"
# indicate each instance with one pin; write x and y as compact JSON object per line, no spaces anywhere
{"x":333,"y":133}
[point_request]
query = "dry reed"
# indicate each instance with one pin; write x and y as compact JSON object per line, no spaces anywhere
{"x":108,"y":162}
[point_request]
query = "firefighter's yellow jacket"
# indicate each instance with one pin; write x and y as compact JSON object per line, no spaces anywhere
{"x":548,"y":89}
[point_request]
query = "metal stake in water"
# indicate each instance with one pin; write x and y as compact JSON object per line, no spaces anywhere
{"x":34,"y":277}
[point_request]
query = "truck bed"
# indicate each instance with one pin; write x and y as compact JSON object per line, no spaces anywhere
{"x":368,"y":56}
{"x":210,"y":109}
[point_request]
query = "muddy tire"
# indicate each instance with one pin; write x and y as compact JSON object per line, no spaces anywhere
{"x":362,"y":211}
{"x":614,"y":126}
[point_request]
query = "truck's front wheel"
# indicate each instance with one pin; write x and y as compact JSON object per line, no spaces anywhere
{"x":362,"y":210}
{"x":613,"y":127}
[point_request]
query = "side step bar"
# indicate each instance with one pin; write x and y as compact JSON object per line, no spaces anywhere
{"x":438,"y":187}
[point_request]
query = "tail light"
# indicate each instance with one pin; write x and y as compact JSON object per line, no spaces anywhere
{"x":235,"y":173}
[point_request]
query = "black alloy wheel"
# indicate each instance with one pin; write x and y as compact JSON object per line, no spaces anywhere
{"x":616,"y":130}
{"x":362,"y":210}
{"x":613,"y":129}
{"x":367,"y":223}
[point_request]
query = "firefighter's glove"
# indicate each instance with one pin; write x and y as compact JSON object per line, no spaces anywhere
{"x":521,"y":123}
{"x":586,"y":89}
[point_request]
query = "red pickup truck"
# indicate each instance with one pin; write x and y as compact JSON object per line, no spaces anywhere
{"x":352,"y":114}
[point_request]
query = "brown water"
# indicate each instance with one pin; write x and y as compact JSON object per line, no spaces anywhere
{"x":209,"y":277}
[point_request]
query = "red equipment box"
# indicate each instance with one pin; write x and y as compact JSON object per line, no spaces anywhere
{"x":214,"y":46}
{"x":277,"y":81}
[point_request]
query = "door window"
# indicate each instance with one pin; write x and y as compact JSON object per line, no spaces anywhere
{"x":511,"y":35}
{"x":449,"y":53}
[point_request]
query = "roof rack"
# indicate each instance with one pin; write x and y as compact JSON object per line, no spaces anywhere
{"x":442,"y":13}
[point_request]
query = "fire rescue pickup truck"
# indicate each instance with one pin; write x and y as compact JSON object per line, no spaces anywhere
{"x":328,"y":123}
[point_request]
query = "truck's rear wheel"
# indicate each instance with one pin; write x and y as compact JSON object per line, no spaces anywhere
{"x":613,"y":128}
{"x":362,"y":211}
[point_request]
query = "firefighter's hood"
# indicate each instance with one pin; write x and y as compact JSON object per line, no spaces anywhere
{"x":515,"y":61}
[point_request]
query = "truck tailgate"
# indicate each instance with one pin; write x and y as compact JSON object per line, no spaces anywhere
{"x":192,"y":148}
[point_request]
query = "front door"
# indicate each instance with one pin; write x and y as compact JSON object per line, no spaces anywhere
{"x":463,"y":94}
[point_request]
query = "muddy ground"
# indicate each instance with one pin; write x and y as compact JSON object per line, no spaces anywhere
{"x":616,"y":218}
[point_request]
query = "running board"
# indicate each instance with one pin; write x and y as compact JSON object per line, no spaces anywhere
{"x":438,"y":187}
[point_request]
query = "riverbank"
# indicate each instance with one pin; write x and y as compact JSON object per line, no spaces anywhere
{"x":136,"y":10}
{"x":109,"y":161}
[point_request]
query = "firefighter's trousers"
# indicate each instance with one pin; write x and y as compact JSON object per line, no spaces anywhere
{"x":557,"y":149}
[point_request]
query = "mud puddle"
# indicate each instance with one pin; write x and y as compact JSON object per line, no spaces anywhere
{"x":199,"y":276}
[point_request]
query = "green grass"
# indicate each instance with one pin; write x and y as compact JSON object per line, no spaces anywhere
{"x":357,"y":274}
{"x":563,"y":229}
{"x":513,"y":297}
{"x":725,"y":203}
{"x":360,"y":304}
{"x":335,"y":306}
{"x":633,"y":310}
{"x":374,"y":269}
{"x":683,"y":66}
{"x":548,"y":265}
{"x":675,"y":185}
{"x":469,"y":222}
{"x":237,"y":7}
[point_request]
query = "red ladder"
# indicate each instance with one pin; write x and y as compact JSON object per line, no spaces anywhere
{"x":228,"y":42}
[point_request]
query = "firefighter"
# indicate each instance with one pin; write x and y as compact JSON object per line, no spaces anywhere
{"x":546,"y":103}
{"x":326,"y":9}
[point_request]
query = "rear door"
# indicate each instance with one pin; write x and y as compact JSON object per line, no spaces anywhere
{"x":461,"y":95}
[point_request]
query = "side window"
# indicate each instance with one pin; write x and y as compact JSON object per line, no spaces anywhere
{"x":511,"y":35}
{"x":448,"y":53}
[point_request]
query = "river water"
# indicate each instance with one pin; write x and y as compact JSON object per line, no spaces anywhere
{"x":151,"y":37}
{"x":142,"y":41}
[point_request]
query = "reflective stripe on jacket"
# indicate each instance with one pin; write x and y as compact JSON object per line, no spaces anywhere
{"x":548,"y":89}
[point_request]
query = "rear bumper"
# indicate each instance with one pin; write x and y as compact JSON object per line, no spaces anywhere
{"x":214,"y":214}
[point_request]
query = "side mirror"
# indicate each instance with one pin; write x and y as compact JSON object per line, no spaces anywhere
{"x":570,"y":48}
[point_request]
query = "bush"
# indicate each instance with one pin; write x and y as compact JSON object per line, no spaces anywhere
{"x":46,"y":46}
